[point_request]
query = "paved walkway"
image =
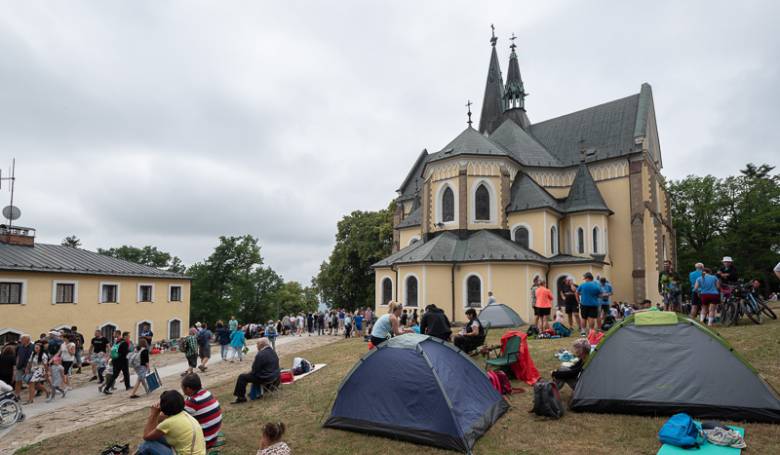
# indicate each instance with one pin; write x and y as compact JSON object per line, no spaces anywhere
{"x":88,"y":393}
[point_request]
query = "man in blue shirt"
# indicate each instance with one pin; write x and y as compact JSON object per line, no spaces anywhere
{"x":695,"y":296}
{"x":588,"y":294}
{"x":604,"y":299}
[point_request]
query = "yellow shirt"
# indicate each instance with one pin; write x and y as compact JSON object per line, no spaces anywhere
{"x":178,"y":434}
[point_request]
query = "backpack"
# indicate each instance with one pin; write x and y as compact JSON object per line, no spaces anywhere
{"x":532,"y":331}
{"x":494,"y":381}
{"x":301,"y":366}
{"x":54,"y":347}
{"x":561,"y":329}
{"x":681,"y":431}
{"x":609,"y":321}
{"x":115,"y":351}
{"x":182,"y":345}
{"x":505,"y":385}
{"x":547,"y":400}
{"x":134,"y":359}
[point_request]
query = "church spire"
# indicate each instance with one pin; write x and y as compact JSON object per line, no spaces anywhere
{"x":493,"y":101}
{"x":514,"y":94}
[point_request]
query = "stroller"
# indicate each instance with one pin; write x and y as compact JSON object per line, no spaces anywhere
{"x":10,"y":410}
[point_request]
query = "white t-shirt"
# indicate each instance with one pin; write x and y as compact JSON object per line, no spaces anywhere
{"x":65,"y":353}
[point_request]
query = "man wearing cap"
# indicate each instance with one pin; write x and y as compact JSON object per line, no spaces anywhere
{"x":588,"y":294}
{"x":728,"y":273}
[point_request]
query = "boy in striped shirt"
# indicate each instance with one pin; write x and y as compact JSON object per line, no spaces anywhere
{"x":202,"y":405}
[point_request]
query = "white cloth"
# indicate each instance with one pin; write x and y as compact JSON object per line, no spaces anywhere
{"x":65,"y":352}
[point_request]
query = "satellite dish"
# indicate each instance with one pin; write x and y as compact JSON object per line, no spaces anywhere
{"x":11,"y":212}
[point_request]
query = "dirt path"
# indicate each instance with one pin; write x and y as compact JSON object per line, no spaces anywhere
{"x":73,"y":413}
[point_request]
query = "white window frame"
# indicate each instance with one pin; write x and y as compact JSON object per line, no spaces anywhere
{"x":530,"y":233}
{"x":138,"y":325}
{"x":584,"y":241}
{"x":23,"y":297}
{"x":419,"y":283}
{"x":100,"y":292}
{"x":382,"y":289}
{"x":138,"y":293}
{"x":440,"y":205}
{"x":473,"y":202}
{"x":54,"y":284}
{"x":556,"y":245}
{"x":482,"y":291}
{"x":595,"y":233}
{"x":181,"y":293}
{"x":181,"y":324}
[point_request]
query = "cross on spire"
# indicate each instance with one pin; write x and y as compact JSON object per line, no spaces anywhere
{"x":513,"y":45}
{"x":493,"y":38}
{"x":468,"y":105}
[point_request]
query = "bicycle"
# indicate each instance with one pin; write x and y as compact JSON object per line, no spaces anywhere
{"x":739,"y":301}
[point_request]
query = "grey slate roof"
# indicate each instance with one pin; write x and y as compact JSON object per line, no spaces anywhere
{"x":523,"y":148}
{"x":584,"y":195}
{"x":62,"y":259}
{"x":493,"y":101}
{"x":526,"y":194}
{"x":413,"y":181}
{"x":608,"y":128}
{"x":469,"y":142}
{"x":448,"y":247}
{"x":413,"y":219}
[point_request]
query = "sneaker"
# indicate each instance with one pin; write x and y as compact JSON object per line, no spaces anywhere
{"x":63,"y":394}
{"x":93,"y":378}
{"x":108,"y":392}
{"x":50,"y":399}
{"x":238,"y":400}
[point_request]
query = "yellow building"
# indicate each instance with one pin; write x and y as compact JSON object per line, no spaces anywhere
{"x":45,"y":287}
{"x":515,"y":200}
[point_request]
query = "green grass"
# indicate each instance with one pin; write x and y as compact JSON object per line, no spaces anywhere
{"x":304,"y":405}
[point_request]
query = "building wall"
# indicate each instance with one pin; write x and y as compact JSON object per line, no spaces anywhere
{"x":408,"y":234}
{"x":539,"y":222}
{"x":379,"y":276}
{"x":616,"y":194}
{"x":38,"y":314}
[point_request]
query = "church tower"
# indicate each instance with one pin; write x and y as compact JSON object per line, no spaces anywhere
{"x":514,"y":93}
{"x":493,"y":101}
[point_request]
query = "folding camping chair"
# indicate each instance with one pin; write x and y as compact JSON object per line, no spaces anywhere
{"x":511,"y":353}
{"x":483,"y":347}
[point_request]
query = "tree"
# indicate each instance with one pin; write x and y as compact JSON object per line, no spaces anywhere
{"x":346,"y":279}
{"x":71,"y":241}
{"x":148,"y":255}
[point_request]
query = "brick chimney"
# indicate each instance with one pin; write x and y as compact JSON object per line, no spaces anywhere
{"x":17,"y":235}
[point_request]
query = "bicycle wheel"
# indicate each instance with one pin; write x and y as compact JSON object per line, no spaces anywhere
{"x":728,"y":314}
{"x":766,"y":310}
{"x":10,"y":412}
{"x":751,"y":311}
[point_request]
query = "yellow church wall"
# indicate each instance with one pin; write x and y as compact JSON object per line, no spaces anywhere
{"x":539,"y":223}
{"x":409,"y":234}
{"x":438,"y":287}
{"x":379,"y":276}
{"x":496,"y":213}
{"x":616,"y":194}
{"x":38,"y":314}
{"x":437,"y":189}
{"x":557,"y":191}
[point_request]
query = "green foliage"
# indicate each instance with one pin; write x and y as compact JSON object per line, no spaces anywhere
{"x":71,"y":241}
{"x":346,"y":279}
{"x":738,"y":216}
{"x":148,"y":255}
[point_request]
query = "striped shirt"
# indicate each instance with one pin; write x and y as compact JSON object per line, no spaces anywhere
{"x":205,"y":408}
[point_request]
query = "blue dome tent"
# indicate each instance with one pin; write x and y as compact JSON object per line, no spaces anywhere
{"x":419,"y":389}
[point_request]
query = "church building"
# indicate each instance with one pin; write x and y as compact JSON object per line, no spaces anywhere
{"x":514,"y":200}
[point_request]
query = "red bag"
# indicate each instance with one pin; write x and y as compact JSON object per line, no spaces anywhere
{"x":494,"y":380}
{"x":286,"y":377}
{"x":594,"y":338}
{"x":370,"y":345}
{"x":505,"y":387}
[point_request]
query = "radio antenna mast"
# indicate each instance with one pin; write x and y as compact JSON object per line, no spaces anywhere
{"x":11,"y":212}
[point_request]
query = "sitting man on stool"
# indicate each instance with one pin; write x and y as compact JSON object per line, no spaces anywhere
{"x":473,"y":335}
{"x":265,"y":371}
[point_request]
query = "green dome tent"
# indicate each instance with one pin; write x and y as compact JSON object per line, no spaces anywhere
{"x":661,"y":363}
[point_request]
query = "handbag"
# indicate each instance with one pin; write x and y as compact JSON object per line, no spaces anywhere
{"x":153,"y":380}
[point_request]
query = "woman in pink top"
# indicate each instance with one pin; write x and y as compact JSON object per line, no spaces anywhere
{"x":543,"y":306}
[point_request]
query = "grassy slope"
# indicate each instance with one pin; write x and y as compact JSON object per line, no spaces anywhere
{"x":304,"y":405}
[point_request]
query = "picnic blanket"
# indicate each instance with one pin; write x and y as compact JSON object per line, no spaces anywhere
{"x":705,"y":449}
{"x":317,"y":367}
{"x":524,"y":369}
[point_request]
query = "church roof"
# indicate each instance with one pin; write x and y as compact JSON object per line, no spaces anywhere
{"x":493,"y":100}
{"x":469,"y":142}
{"x":584,"y":195}
{"x":413,"y":181}
{"x":522,"y":146}
{"x":412,"y":219}
{"x":526,"y":194}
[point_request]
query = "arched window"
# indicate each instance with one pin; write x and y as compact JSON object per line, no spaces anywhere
{"x":387,"y":291}
{"x":411,"y":291}
{"x":414,"y":240}
{"x":554,"y":240}
{"x":482,"y":203}
{"x":595,"y":239}
{"x":174,"y":329}
{"x":448,"y":205}
{"x":473,"y":291}
{"x":522,"y":236}
{"x":580,"y":241}
{"x":108,"y":331}
{"x":143,"y":327}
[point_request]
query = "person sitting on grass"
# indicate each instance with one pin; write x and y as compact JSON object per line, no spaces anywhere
{"x":265,"y":371}
{"x":204,"y":406}
{"x":569,"y":372}
{"x":271,"y":442}
{"x":434,"y":323}
{"x":473,"y":334}
{"x":170,"y":430}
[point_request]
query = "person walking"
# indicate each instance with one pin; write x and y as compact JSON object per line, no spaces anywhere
{"x":139,"y":360}
{"x":695,"y":294}
{"x":271,"y":333}
{"x":67,"y":354}
{"x":57,"y":378}
{"x":204,"y":346}
{"x":709,"y":287}
{"x":348,"y":325}
{"x":237,"y":344}
{"x":37,"y":372}
{"x":223,"y":338}
{"x":98,"y":346}
{"x":120,"y":361}
{"x":23,"y":353}
{"x":78,"y":339}
{"x":189,"y":347}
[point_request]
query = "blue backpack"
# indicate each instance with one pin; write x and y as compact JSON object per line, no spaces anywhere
{"x":681,"y":431}
{"x":561,"y":329}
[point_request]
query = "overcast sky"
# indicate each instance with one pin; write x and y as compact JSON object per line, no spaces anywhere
{"x":171,"y":123}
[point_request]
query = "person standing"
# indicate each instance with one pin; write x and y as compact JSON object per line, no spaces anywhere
{"x":223,"y":337}
{"x":79,"y":340}
{"x":604,"y":299}
{"x":695,"y":295}
{"x":98,"y":346}
{"x":8,"y":364}
{"x":588,"y":296}
{"x":533,"y":291}
{"x":120,"y":361}
{"x":310,"y":322}
{"x":358,"y":322}
{"x":348,"y":325}
{"x":709,"y":287}
{"x":232,"y":324}
{"x":37,"y":372}
{"x":204,"y":346}
{"x":237,"y":343}
{"x":271,"y":333}
{"x":571,"y":306}
{"x":543,"y":306}
{"x":368,"y":320}
{"x":320,"y":323}
{"x":23,"y":353}
{"x":139,"y":360}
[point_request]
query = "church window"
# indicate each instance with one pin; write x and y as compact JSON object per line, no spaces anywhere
{"x":448,"y":205}
{"x":411,"y":291}
{"x":554,"y":240}
{"x":580,"y":241}
{"x":522,"y":236}
{"x":387,"y":291}
{"x":473,"y":291}
{"x":482,"y":203}
{"x":596,"y":240}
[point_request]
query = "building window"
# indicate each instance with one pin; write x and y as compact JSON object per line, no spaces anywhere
{"x":174,"y":329}
{"x":413,"y":240}
{"x":411,"y":291}
{"x":580,"y":241}
{"x":595,"y":239}
{"x":448,"y":205}
{"x":145,"y":292}
{"x":108,"y":331}
{"x":387,"y":291}
{"x":482,"y":203}
{"x":522,"y":237}
{"x":554,"y":240}
{"x":473,"y":291}
{"x":109,"y":293}
{"x":144,"y":330}
{"x":9,"y":336}
{"x":174,"y":294}
{"x":65,"y":292}
{"x":10,"y":293}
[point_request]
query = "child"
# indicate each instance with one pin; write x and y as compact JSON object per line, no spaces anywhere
{"x":57,"y":377}
{"x":100,"y":359}
{"x":109,"y":372}
{"x":271,"y":441}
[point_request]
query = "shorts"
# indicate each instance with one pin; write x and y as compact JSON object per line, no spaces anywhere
{"x":605,"y":308}
{"x":571,"y":307}
{"x":19,"y":376}
{"x":589,"y":311}
{"x":204,"y":351}
{"x":542,"y":311}
{"x":695,"y":299}
{"x":192,"y":361}
{"x":710,"y":299}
